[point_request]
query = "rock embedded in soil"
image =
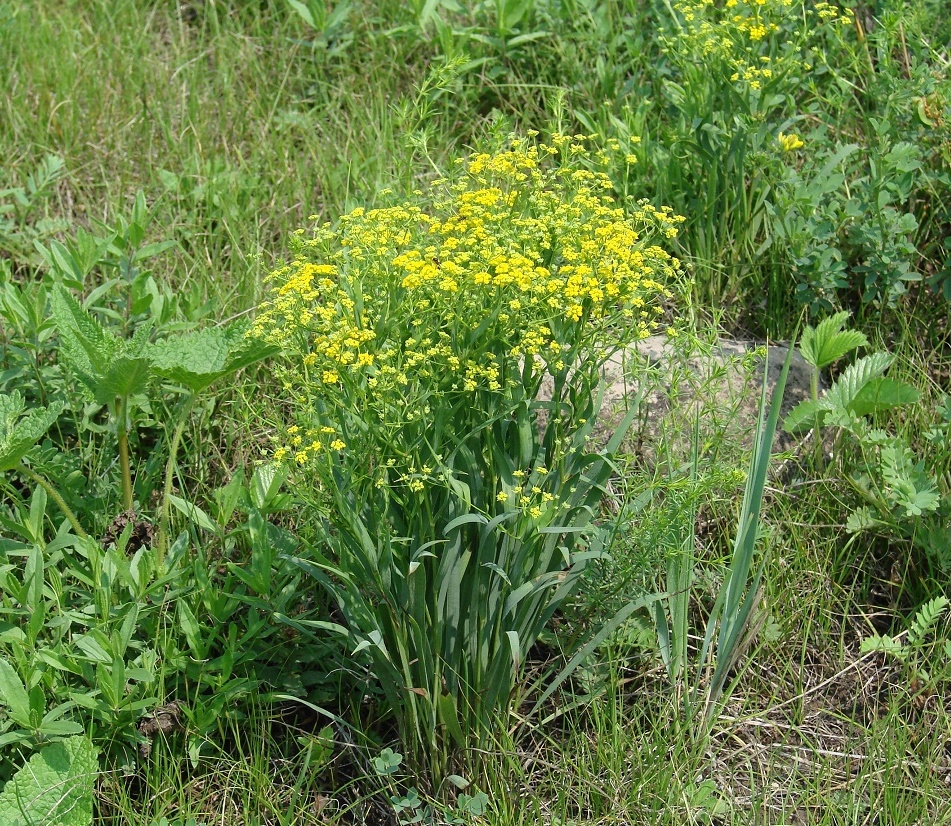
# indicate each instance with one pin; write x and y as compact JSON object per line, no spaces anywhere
{"x":716,"y":385}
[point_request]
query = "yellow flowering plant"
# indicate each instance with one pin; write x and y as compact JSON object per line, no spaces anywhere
{"x":416,"y":342}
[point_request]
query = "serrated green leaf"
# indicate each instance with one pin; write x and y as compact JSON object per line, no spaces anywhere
{"x":854,"y":379}
{"x":18,"y":432}
{"x":860,"y":520}
{"x":823,"y":344}
{"x":200,"y":358}
{"x":86,"y":345}
{"x":806,"y":415}
{"x":108,"y":366}
{"x":54,"y":787}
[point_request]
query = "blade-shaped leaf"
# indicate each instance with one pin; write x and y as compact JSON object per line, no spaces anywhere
{"x":13,"y":694}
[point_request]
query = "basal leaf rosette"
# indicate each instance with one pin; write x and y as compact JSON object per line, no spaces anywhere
{"x":524,"y":265}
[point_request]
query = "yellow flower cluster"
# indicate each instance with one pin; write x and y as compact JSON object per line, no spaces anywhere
{"x":737,"y":37}
{"x":524,"y":261}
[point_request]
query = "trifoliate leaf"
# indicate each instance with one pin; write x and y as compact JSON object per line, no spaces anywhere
{"x":18,"y":432}
{"x":823,"y":344}
{"x":54,"y":787}
{"x":198,"y":359}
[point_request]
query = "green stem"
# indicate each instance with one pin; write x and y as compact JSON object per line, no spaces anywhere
{"x":169,"y":475}
{"x":122,"y":431}
{"x":45,"y":484}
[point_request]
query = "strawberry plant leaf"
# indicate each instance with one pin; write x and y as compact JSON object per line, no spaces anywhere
{"x":806,"y":415}
{"x":827,"y":341}
{"x":855,"y":377}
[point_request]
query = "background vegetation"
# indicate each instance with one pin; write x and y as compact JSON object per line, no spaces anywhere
{"x":157,"y":159}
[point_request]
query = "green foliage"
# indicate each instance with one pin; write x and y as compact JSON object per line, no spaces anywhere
{"x":736,"y":614}
{"x":828,"y":342}
{"x":898,"y":494}
{"x":914,"y":651}
{"x":459,"y":509}
{"x":55,"y":786}
{"x":19,"y":431}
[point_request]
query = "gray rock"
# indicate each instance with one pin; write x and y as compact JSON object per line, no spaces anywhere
{"x":678,"y":383}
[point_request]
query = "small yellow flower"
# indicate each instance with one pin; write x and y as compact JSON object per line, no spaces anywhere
{"x":790,"y":143}
{"x":338,"y":444}
{"x":502,"y":496}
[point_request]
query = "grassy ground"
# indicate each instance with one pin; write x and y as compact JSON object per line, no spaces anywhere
{"x":241,"y":120}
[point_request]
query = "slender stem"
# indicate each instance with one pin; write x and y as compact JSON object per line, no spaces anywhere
{"x":48,"y":487}
{"x":169,"y":475}
{"x":122,"y":431}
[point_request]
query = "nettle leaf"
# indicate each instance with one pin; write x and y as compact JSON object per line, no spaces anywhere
{"x":109,"y":367}
{"x":87,"y":346}
{"x":827,"y":341}
{"x":18,"y":432}
{"x":198,"y":359}
{"x":55,"y":786}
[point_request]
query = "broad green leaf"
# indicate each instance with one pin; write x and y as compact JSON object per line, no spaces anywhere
{"x":826,"y":342}
{"x":806,"y":415}
{"x":84,"y":342}
{"x":855,"y":377}
{"x":882,"y":393}
{"x":55,"y":788}
{"x":13,"y":694}
{"x":200,"y":358}
{"x":107,"y":366}
{"x":19,"y":432}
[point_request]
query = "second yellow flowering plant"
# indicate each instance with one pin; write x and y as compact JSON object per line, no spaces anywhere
{"x":415,"y":342}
